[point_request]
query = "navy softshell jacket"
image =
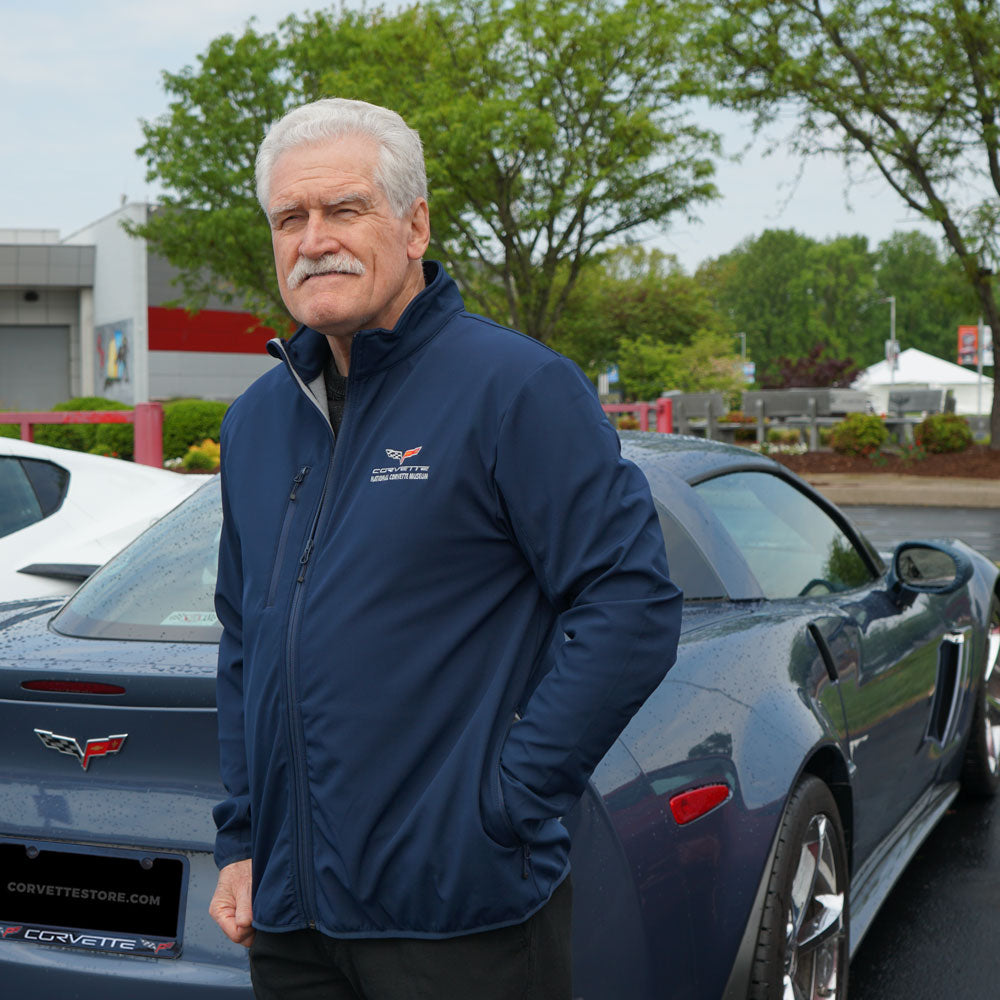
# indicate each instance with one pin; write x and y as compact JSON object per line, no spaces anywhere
{"x":433,"y":632}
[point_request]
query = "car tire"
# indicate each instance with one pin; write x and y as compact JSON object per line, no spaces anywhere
{"x":802,"y":942}
{"x":981,"y":767}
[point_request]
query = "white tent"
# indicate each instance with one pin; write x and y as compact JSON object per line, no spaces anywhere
{"x":919,"y":370}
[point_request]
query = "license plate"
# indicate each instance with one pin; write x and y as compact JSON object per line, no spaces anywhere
{"x":97,"y":899}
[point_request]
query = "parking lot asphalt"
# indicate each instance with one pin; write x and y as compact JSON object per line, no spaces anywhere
{"x":906,"y":491}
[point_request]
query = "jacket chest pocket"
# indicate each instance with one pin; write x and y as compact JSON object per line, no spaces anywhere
{"x":292,"y":505}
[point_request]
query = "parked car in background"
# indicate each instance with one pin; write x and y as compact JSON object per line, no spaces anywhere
{"x":826,"y":706}
{"x":64,"y":513}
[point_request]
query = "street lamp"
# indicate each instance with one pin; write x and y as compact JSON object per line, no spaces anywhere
{"x":891,"y":347}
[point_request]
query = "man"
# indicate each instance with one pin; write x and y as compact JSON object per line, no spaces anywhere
{"x":443,"y":595}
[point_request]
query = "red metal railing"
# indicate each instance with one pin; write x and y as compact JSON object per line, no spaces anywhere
{"x":664,"y":409}
{"x":147,"y":418}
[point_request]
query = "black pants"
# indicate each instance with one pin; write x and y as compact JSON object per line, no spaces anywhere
{"x":529,"y":961}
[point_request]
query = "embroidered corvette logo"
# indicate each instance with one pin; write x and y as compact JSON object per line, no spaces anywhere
{"x":402,"y":456}
{"x":399,"y":471}
{"x":94,"y":748}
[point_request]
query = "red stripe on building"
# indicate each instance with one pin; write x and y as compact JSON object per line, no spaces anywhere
{"x":208,"y":330}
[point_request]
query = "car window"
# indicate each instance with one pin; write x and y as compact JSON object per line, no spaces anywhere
{"x":19,"y":505}
{"x":689,"y":568}
{"x":792,"y":545}
{"x":162,"y":586}
{"x":49,"y":481}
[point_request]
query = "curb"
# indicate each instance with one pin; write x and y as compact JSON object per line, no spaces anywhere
{"x":847,"y":490}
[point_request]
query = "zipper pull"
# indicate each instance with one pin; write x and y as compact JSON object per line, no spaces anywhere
{"x":525,"y":860}
{"x":297,"y":481}
{"x":305,"y":559}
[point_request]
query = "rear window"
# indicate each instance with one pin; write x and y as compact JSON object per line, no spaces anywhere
{"x":162,"y":586}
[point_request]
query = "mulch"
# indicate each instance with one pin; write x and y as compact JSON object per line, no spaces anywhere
{"x":977,"y":462}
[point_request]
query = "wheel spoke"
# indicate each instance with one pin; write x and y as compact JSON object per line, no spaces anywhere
{"x":805,"y":879}
{"x":993,"y":649}
{"x":815,"y":922}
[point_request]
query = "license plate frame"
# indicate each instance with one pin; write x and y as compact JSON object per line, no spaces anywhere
{"x":108,"y":899}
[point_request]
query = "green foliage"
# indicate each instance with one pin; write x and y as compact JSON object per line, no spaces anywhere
{"x":859,"y":434}
{"x":784,"y":435}
{"x":648,"y":367}
{"x":201,"y":153}
{"x":907,"y":89}
{"x":550,"y":127}
{"x":933,"y":297}
{"x":943,"y":432}
{"x":117,"y":440}
{"x":203,"y":457}
{"x":9,"y":430}
{"x":82,"y":437}
{"x":844,"y":566}
{"x":787,"y":291}
{"x":628,"y":293}
{"x":188,"y":422}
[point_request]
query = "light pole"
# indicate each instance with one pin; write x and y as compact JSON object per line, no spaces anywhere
{"x":891,"y":348}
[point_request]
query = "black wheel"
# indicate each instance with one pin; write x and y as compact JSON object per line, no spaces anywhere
{"x":803,"y":938}
{"x":981,"y":768}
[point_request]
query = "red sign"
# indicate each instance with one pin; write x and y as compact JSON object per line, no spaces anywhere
{"x":968,"y":345}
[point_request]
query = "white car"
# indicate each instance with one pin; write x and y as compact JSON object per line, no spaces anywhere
{"x":64,"y":513}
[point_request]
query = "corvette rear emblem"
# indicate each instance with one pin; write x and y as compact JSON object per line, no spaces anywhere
{"x":94,"y":748}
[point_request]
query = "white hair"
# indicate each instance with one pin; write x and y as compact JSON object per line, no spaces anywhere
{"x":399,"y":172}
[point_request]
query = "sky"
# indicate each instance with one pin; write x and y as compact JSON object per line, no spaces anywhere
{"x":75,"y":80}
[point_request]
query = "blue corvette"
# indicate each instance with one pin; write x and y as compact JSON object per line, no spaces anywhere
{"x":825,"y":708}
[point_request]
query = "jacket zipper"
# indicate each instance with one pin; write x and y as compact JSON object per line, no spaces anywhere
{"x":286,"y":525}
{"x":303,"y":810}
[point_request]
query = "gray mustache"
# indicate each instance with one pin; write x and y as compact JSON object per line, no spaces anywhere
{"x":305,"y":267}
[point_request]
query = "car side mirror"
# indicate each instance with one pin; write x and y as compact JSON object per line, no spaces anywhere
{"x":927,"y":568}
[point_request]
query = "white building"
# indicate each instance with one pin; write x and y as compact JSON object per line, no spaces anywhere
{"x":86,"y":316}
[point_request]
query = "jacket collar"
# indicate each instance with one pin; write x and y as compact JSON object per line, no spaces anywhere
{"x":376,"y":349}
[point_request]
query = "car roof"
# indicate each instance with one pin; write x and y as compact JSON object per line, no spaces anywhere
{"x":691,"y":458}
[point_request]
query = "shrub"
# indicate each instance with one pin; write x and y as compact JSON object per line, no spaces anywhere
{"x":943,"y":432}
{"x":10,"y":430}
{"x":83,"y":437}
{"x":190,"y":421}
{"x":784,"y":435}
{"x":858,"y":434}
{"x":626,"y":422}
{"x":203,"y":457}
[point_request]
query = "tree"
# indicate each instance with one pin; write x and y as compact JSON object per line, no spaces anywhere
{"x":932,"y":296}
{"x":815,"y":369}
{"x":629,"y":293}
{"x":708,"y":363}
{"x":907,"y":88}
{"x":208,"y":224}
{"x":788,"y":292}
{"x":551,"y":128}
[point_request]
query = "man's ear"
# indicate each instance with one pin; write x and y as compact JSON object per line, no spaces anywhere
{"x":420,"y":230}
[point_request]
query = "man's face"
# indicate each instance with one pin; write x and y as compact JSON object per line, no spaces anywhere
{"x":324,"y":201}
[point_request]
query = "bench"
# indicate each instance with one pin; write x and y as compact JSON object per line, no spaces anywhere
{"x":908,"y":407}
{"x":809,"y":408}
{"x":697,"y":413}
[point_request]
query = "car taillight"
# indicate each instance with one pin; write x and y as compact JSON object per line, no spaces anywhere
{"x":73,"y":687}
{"x":690,"y":805}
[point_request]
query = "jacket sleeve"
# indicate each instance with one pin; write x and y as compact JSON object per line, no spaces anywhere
{"x":584,"y":518}
{"x":232,"y":815}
